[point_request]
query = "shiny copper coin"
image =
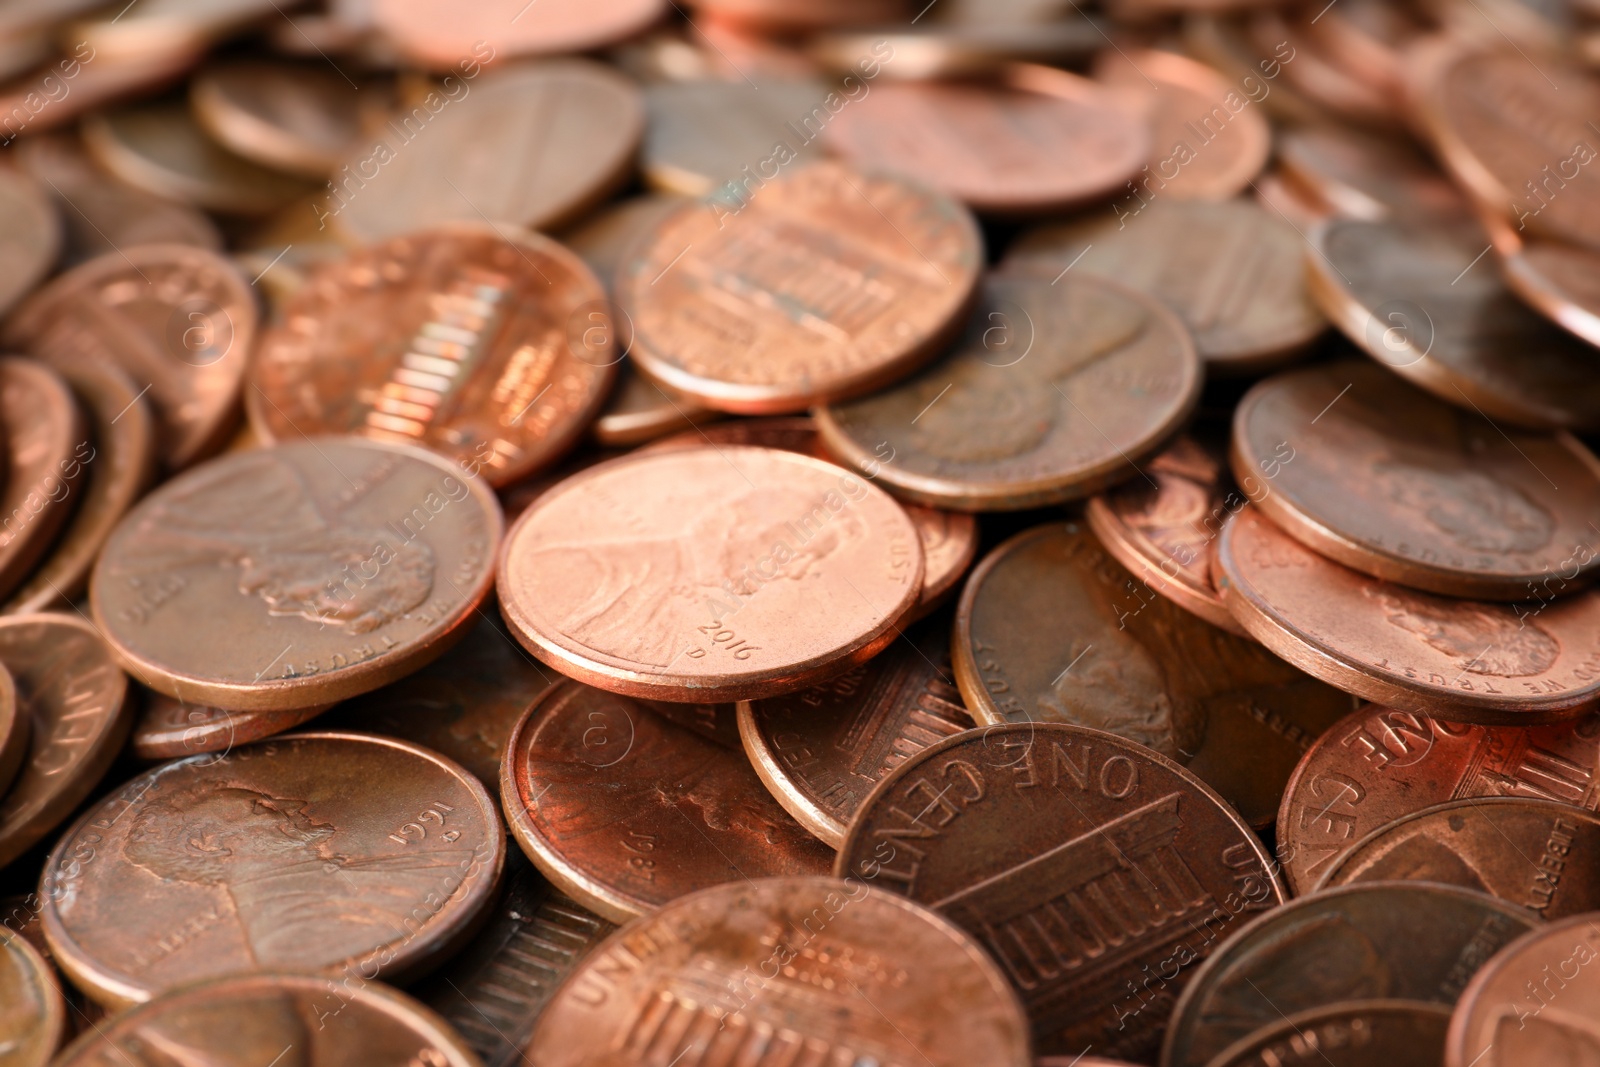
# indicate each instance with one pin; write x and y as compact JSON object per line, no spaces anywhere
{"x":1261,"y":973}
{"x":1385,"y":479}
{"x":1464,"y":660}
{"x":77,"y":699}
{"x":45,"y":450}
{"x":1233,"y":272}
{"x":326,"y":853}
{"x":300,"y":119}
{"x":1365,"y":175}
{"x":1560,"y":281}
{"x":758,"y":128}
{"x":178,"y":319}
{"x":163,"y":27}
{"x":30,"y":235}
{"x":169,"y":728}
{"x":16,"y":728}
{"x":1080,"y":861}
{"x":494,"y":351}
{"x":771,"y":970}
{"x":291,"y":576}
{"x":683,"y":575}
{"x":624,"y":810}
{"x":1353,"y":1033}
{"x":32,"y":1013}
{"x":818,"y":285}
{"x":1036,"y":139}
{"x":1034,"y":406}
{"x":978,"y":43}
{"x":1410,"y":294}
{"x":440,"y":35}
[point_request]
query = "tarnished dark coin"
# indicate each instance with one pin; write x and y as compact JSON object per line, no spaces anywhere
{"x":1050,"y":628}
{"x":30,"y":235}
{"x":1354,"y":1033}
{"x":169,"y":728}
{"x":1385,"y":940}
{"x":1534,"y":1004}
{"x":1365,"y":175}
{"x":32,"y":1013}
{"x":625,"y":810}
{"x":303,"y":119}
{"x":1083,"y":863}
{"x":338,"y":854}
{"x":45,"y":452}
{"x":776,"y":969}
{"x":16,"y":729}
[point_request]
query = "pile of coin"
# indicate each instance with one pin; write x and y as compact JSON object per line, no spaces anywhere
{"x":791,"y":532}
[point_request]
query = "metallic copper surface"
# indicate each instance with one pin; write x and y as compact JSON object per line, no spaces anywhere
{"x":685,"y":154}
{"x":1261,"y":975}
{"x":1368,"y":39}
{"x":1034,"y":406}
{"x":347,"y":855}
{"x":169,"y":728}
{"x":710,"y":574}
{"x":1364,"y":175}
{"x":29,"y":233}
{"x":303,"y":119}
{"x":1354,"y":1033}
{"x":770,"y":970}
{"x":971,"y":44}
{"x":45,"y":450}
{"x":1082,"y":862}
{"x":820,"y":284}
{"x":793,"y":15}
{"x":439,"y":35}
{"x":495,"y":351}
{"x":32,"y":1013}
{"x":16,"y":729}
{"x":297,"y":575}
{"x":1560,"y":281}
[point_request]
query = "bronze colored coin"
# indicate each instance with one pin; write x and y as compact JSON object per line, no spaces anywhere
{"x":958,"y":48}
{"x":493,"y":351}
{"x":303,"y":1020}
{"x":179,"y":320}
{"x":781,"y":16}
{"x":291,"y":576}
{"x":1233,"y":272}
{"x":76,"y":697}
{"x":1385,"y":479}
{"x":1368,"y":39}
{"x":1410,"y":294}
{"x":1463,"y":660}
{"x":818,"y":285}
{"x":758,"y":127}
{"x":303,"y":119}
{"x":625,"y":810}
{"x":685,"y":575}
{"x":1355,"y":1033}
{"x":169,"y":728}
{"x":164,"y":27}
{"x":1078,"y":1061}
{"x":1222,"y":42}
{"x":440,"y":35}
{"x":1364,"y":175}
{"x":30,"y":235}
{"x":1050,"y":628}
{"x":44,"y":452}
{"x":857,"y":976}
{"x":1560,"y":281}
{"x":16,"y":728}
{"x":1338,"y":946}
{"x":97,"y":80}
{"x":1082,"y":862}
{"x":1306,"y":65}
{"x":34,"y":1015}
{"x":1034,"y":140}
{"x":1034,"y":406}
{"x":1289,"y":202}
{"x":325,"y":853}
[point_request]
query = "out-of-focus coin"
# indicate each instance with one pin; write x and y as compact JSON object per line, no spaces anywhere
{"x":1233,"y":272}
{"x":1355,"y":1033}
{"x":800,"y":15}
{"x":1307,"y":66}
{"x":1387,"y":480}
{"x":76,"y":697}
{"x":1260,"y":974}
{"x":957,"y":49}
{"x":1289,"y":202}
{"x":179,"y":320}
{"x":1560,"y":281}
{"x":710,"y":574}
{"x":758,"y":129}
{"x":1036,"y":139}
{"x":1084,"y":863}
{"x":1078,"y":1061}
{"x":1034,"y":406}
{"x":819,"y":285}
{"x":169,"y":728}
{"x":298,"y":575}
{"x":1463,"y":660}
{"x":1368,"y":39}
{"x":35,"y":1014}
{"x":850,"y":969}
{"x":440,"y":34}
{"x":16,"y":728}
{"x":45,"y":450}
{"x":92,"y":80}
{"x":493,"y":351}
{"x":1365,"y":175}
{"x":1222,"y":43}
{"x":534,"y":144}
{"x":1050,"y":628}
{"x":303,"y":1020}
{"x":304,"y":119}
{"x":165,"y":27}
{"x":625,"y":810}
{"x":336,"y":854}
{"x":30,"y":235}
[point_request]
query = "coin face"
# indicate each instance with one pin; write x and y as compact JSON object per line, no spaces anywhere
{"x":1534,"y":1003}
{"x":34,"y":1016}
{"x":1361,"y":174}
{"x":819,"y":284}
{"x":844,"y":958}
{"x":493,"y":351}
{"x":169,"y":728}
{"x":441,"y":35}
{"x":1080,"y":861}
{"x":16,"y":727}
{"x":338,"y":854}
{"x":1561,"y":281}
{"x":625,"y":810}
{"x":30,"y":235}
{"x":1383,"y":478}
{"x":286,"y":577}
{"x":303,"y":119}
{"x":1354,"y":1033}
{"x":1260,"y":975}
{"x":46,"y":449}
{"x":681,"y":575}
{"x":685,"y":154}
{"x":1033,"y":407}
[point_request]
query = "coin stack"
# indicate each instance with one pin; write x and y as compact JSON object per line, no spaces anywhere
{"x":794,"y":533}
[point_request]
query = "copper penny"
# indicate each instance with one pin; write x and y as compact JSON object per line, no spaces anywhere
{"x":776,"y":969}
{"x":30,"y":235}
{"x":45,"y":452}
{"x":77,"y":699}
{"x":169,"y":728}
{"x":1354,"y":1033}
{"x":1080,"y":861}
{"x":958,"y":47}
{"x":1339,"y":946}
{"x":780,"y":16}
{"x":33,"y":1016}
{"x":160,"y":27}
{"x":683,"y":575}
{"x":297,"y":575}
{"x":1368,"y":39}
{"x":440,"y":34}
{"x":758,"y":127}
{"x":494,"y":351}
{"x":818,"y":285}
{"x":1409,"y":294}
{"x":625,"y":810}
{"x":1385,"y":479}
{"x":96,"y":80}
{"x":303,"y":1020}
{"x":1037,"y":404}
{"x":1341,"y":93}
{"x":304,"y":119}
{"x":1464,"y":660}
{"x":1233,"y":272}
{"x":1290,"y":202}
{"x":1364,"y":175}
{"x":1222,"y":42}
{"x":16,"y":729}
{"x":339,"y":854}
{"x":178,"y":319}
{"x":1560,"y":281}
